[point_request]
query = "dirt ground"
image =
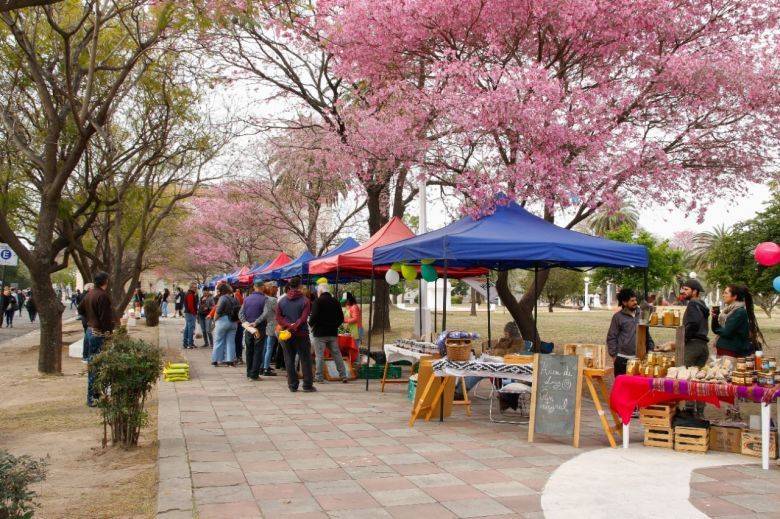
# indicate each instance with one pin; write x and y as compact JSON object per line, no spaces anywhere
{"x":47,"y":416}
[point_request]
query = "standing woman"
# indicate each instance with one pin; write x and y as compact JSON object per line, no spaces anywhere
{"x":269,"y":316}
{"x":32,"y":310}
{"x":9,"y":305}
{"x":239,"y":337}
{"x":178,"y":304}
{"x":353,"y":318}
{"x":225,"y":314}
{"x":735,"y":326}
{"x":164,"y":302}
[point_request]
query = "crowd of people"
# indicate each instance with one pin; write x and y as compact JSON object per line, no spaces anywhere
{"x":13,"y":300}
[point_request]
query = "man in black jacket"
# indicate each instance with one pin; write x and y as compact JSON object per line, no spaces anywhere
{"x":325,"y":318}
{"x":696,"y":351}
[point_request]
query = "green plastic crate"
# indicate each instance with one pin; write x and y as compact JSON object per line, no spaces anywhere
{"x":375,"y":372}
{"x":411,"y":389}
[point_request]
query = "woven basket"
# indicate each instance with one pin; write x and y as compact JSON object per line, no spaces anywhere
{"x":458,"y":352}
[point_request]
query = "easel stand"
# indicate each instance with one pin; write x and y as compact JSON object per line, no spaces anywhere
{"x":439,"y":387}
{"x":595,"y":379}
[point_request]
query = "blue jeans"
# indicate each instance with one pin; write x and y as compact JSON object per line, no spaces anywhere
{"x":164,"y":308}
{"x":189,"y":329}
{"x":92,"y":346}
{"x":205,"y":328}
{"x":270,"y":344}
{"x":224,"y":340}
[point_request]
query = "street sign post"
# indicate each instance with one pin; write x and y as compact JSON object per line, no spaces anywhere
{"x":8,"y":258}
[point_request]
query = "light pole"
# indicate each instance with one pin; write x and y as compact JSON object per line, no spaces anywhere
{"x":585,"y":307}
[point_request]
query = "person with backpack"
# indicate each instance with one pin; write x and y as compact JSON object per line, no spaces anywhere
{"x":251,"y":314}
{"x":735,"y":327}
{"x":226,"y":317}
{"x":205,"y":305}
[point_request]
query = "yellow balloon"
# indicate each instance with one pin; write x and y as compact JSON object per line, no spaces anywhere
{"x":408,"y":272}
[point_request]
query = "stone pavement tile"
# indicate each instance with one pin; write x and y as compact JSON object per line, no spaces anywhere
{"x":268,"y":477}
{"x":280,"y":491}
{"x":427,"y":511}
{"x":349,"y":442}
{"x":288,"y":506}
{"x":722,"y":473}
{"x":389,"y":483}
{"x":346,"y":501}
{"x":209,"y":445}
{"x":341,"y":486}
{"x":453,"y":492}
{"x":218,"y":479}
{"x":214,"y":466}
{"x":410,"y":496}
{"x":211,"y":456}
{"x":363,"y":513}
{"x":758,"y":486}
{"x":506,"y":463}
{"x":755,"y":502}
{"x":259,"y":456}
{"x":389,"y":449}
{"x":322,"y":462}
{"x":716,"y":507}
{"x":756,"y":471}
{"x":526,"y":451}
{"x":519,"y":474}
{"x":505,"y":489}
{"x":240,"y":510}
{"x":291,"y":453}
{"x":523,"y":504}
{"x":462,"y":465}
{"x":346,"y":452}
{"x":364,"y":461}
{"x":326,"y":474}
{"x":488,"y":453}
{"x":175,"y":514}
{"x":417,"y":469}
{"x":260,"y":466}
{"x":544,"y":461}
{"x":700,"y":478}
{"x":435,"y":480}
{"x":477,"y":507}
{"x":480,"y":476}
{"x":209,"y":495}
{"x":536,"y":484}
{"x":376,"y":440}
{"x":717,"y":488}
{"x":354,"y":425}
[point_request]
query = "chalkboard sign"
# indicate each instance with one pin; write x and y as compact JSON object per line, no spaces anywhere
{"x":556,"y":397}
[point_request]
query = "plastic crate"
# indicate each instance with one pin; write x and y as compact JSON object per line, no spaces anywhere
{"x":375,"y":372}
{"x":411,"y":389}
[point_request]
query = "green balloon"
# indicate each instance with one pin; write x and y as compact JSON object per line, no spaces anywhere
{"x":396,"y":266}
{"x":428,"y":273}
{"x":409,"y":272}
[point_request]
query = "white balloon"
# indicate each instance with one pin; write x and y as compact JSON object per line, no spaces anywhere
{"x":392,"y":277}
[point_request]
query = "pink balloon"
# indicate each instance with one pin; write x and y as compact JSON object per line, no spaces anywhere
{"x":767,"y":254}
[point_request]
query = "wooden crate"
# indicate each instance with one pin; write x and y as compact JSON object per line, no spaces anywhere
{"x":657,"y":415}
{"x":691,"y":439}
{"x":751,"y":444}
{"x":595,"y":354}
{"x":659,"y":437}
{"x":725,"y":439}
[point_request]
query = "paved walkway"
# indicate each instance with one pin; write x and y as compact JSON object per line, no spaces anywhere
{"x":22,"y":324}
{"x":234,"y":448}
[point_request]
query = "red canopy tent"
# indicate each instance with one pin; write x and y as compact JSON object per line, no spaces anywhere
{"x":280,"y":261}
{"x":358,"y":262}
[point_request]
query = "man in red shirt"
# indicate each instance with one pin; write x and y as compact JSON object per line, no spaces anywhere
{"x":190,"y":315}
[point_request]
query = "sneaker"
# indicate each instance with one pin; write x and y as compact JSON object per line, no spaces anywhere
{"x":345,"y":381}
{"x":254,"y":378}
{"x":269,"y":373}
{"x":215,"y":364}
{"x":310,"y":389}
{"x":294,"y":390}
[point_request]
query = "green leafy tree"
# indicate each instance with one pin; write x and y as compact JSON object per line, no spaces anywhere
{"x":666,"y":262}
{"x":608,"y":220}
{"x":561,"y":284}
{"x":731,"y":260}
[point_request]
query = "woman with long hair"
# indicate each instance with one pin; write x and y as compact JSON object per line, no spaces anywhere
{"x":736,"y":326}
{"x":224,"y":352}
{"x":353,"y":317}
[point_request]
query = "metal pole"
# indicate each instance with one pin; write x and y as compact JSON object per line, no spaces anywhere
{"x":370,"y":319}
{"x":444,"y":303}
{"x":3,"y":285}
{"x":487,"y":291}
{"x":435,"y":303}
{"x":419,"y":306}
{"x":536,"y":306}
{"x":336,"y":288}
{"x":645,"y":284}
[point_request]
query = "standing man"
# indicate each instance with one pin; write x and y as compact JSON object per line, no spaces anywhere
{"x":205,"y":306}
{"x":99,"y":314}
{"x":6,"y":300}
{"x":621,"y":337}
{"x":190,"y":302}
{"x":251,"y":314}
{"x":696,"y":329}
{"x":292,"y":311}
{"x":20,"y":299}
{"x":325,"y":319}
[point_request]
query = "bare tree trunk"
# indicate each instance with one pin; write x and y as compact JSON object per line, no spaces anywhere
{"x":50,"y":312}
{"x":377,"y":217}
{"x":473,"y":302}
{"x":522,"y":311}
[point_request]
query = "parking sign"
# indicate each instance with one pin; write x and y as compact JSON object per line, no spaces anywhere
{"x":8,"y":257}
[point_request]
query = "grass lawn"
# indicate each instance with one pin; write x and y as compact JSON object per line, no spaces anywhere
{"x":560,"y":327}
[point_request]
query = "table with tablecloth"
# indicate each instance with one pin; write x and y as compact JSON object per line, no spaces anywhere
{"x":630,"y":392}
{"x":480,"y":368}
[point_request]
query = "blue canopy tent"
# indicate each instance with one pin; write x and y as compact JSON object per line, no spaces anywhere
{"x":511,"y":238}
{"x":295,"y":268}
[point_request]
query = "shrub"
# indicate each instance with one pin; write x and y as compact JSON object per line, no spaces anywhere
{"x":125,"y":372}
{"x":16,"y":475}
{"x":152,"y":311}
{"x":457,"y":300}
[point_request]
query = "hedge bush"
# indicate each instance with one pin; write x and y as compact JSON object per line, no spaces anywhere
{"x":16,"y":475}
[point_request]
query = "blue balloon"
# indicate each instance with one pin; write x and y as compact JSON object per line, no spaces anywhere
{"x":776,"y":284}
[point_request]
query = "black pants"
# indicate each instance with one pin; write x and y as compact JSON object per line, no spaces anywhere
{"x":300,"y":345}
{"x":254,"y":354}
{"x":697,"y":353}
{"x":239,"y":342}
{"x":620,"y":366}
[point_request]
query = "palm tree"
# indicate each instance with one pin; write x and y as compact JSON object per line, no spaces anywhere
{"x":610,"y":219}
{"x":706,"y":242}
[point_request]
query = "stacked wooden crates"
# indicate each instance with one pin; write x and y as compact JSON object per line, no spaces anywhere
{"x":659,"y":431}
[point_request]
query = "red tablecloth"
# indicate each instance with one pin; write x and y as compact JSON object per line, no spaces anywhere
{"x":630,"y":392}
{"x":348,"y":348}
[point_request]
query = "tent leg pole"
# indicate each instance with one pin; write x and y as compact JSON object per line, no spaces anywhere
{"x":435,"y":303}
{"x":645,"y":284}
{"x":487,"y":291}
{"x":370,"y":320}
{"x":536,"y":308}
{"x":419,"y":306}
{"x":444,"y":303}
{"x":336,"y":291}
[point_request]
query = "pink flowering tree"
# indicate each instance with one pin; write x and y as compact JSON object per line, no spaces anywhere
{"x":572,"y":106}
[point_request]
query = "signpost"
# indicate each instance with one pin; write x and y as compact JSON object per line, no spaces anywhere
{"x":556,"y":397}
{"x":8,"y":258}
